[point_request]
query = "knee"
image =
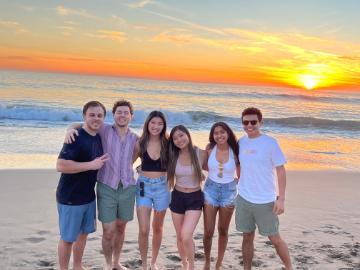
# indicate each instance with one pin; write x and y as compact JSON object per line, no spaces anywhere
{"x":144,"y":232}
{"x":186,"y":238}
{"x":157,"y":230}
{"x":208,"y":234}
{"x":275,"y":240}
{"x":108,"y":234}
{"x":223,"y":232}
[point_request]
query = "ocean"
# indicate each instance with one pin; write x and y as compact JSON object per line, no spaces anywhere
{"x":316,"y":129}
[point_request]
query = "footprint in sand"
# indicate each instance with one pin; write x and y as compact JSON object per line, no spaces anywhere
{"x":173,"y":258}
{"x":132,"y":264}
{"x":43,"y":232}
{"x":35,"y":240}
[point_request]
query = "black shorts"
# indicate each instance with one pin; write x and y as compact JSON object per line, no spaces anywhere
{"x":182,"y":201}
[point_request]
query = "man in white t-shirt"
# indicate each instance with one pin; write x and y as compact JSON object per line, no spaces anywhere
{"x":257,"y":203}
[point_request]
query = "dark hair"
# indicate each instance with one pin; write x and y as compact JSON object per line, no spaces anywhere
{"x":174,"y":155}
{"x":123,"y":102}
{"x":232,"y":141}
{"x":144,"y":139}
{"x":93,"y":103}
{"x":252,"y":110}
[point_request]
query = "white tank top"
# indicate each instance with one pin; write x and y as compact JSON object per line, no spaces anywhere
{"x":222,"y":173}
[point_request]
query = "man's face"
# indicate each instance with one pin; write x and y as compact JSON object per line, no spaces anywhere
{"x":94,"y":118}
{"x":251,"y":125}
{"x":122,"y":116}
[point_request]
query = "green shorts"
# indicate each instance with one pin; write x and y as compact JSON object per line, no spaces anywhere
{"x":248,"y":215}
{"x":115,"y":204}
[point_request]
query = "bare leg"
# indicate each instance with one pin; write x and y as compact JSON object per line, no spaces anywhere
{"x":64,"y":253}
{"x":157,"y":226}
{"x":117,"y":243}
{"x":178,"y":220}
{"x":191,"y":219}
{"x":107,"y":243}
{"x":225,"y":214}
{"x":143,"y":215}
{"x":78,"y":251}
{"x":248,"y":249}
{"x":282,"y":250}
{"x":209,"y":227}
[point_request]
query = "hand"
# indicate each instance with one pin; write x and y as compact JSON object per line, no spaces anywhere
{"x":278,"y":208}
{"x":70,"y":135}
{"x":97,"y":163}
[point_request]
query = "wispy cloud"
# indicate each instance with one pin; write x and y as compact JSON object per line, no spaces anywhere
{"x":174,"y":36}
{"x":63,"y":11}
{"x":118,"y":19}
{"x":11,"y":25}
{"x":140,"y":4}
{"x":109,"y":34}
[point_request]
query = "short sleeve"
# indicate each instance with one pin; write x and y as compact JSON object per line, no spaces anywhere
{"x":277,"y":156}
{"x":70,"y":151}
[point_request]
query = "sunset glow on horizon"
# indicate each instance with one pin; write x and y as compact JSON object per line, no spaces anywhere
{"x":306,"y":44}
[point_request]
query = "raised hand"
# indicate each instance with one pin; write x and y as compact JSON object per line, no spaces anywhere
{"x":70,"y":135}
{"x":98,"y":162}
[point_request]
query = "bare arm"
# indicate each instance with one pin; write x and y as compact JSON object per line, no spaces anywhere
{"x":280,"y":202}
{"x":70,"y":166}
{"x":238,"y":171}
{"x":136,"y":153}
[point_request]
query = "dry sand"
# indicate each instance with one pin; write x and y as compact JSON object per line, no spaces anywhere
{"x":321,"y":225}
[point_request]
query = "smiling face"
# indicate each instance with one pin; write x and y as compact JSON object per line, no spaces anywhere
{"x":251,"y":125}
{"x":122,"y":116}
{"x":93,"y":118}
{"x":220,"y":135}
{"x":155,"y":126}
{"x":180,"y":139}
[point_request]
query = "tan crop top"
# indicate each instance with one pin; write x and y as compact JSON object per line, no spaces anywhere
{"x":185,"y":176}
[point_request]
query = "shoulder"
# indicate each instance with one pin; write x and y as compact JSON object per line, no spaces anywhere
{"x":208,"y":148}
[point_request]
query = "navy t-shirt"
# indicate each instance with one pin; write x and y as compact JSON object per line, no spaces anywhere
{"x":78,"y":188}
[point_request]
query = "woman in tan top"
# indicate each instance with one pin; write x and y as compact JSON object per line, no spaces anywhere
{"x":187,"y":200}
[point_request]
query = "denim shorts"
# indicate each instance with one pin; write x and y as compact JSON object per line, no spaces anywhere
{"x":220,"y":195}
{"x":76,"y":219}
{"x":156,"y":193}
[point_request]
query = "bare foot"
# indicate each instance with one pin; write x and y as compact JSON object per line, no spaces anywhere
{"x":153,"y":266}
{"x":118,"y":266}
{"x":185,"y":265}
{"x":218,"y":266}
{"x":107,"y":267}
{"x":80,"y":268}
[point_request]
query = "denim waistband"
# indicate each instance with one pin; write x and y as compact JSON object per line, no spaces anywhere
{"x":149,"y":180}
{"x":219,"y":184}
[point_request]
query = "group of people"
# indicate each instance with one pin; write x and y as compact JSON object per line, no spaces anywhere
{"x":241,"y":176}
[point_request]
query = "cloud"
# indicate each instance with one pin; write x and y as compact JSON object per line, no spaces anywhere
{"x":109,"y":34}
{"x":119,"y":19}
{"x":61,"y":10}
{"x":140,"y":4}
{"x":11,"y":25}
{"x":175,"y":36}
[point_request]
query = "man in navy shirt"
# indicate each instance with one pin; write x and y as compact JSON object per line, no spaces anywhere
{"x":78,"y":163}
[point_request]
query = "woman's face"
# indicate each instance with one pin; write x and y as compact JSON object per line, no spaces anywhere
{"x":180,"y":139}
{"x":155,"y":126}
{"x":220,"y":135}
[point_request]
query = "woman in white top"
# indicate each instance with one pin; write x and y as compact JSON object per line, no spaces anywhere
{"x":187,"y":200}
{"x":220,"y":188}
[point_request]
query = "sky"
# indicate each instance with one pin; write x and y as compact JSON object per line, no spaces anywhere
{"x":309,"y":44}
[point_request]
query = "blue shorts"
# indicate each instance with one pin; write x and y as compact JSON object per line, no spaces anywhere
{"x":156,"y":193}
{"x":220,"y":195}
{"x":76,"y":219}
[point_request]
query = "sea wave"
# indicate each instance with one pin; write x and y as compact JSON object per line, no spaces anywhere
{"x":195,"y":119}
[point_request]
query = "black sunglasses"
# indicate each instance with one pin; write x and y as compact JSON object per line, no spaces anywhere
{"x":252,"y":122}
{"x":142,"y":189}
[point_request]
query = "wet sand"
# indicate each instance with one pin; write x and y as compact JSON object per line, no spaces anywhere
{"x":321,"y":225}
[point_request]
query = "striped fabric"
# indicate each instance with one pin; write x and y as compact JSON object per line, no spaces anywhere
{"x":119,"y":169}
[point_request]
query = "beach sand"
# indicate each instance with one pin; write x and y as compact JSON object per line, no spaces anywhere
{"x":321,"y":225}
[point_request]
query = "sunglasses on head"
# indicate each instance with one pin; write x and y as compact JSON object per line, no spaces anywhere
{"x":252,"y":122}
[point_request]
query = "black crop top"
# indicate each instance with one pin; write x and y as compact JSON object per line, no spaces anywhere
{"x":150,"y":165}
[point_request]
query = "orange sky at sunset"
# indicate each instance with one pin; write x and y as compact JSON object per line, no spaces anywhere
{"x":186,"y":41}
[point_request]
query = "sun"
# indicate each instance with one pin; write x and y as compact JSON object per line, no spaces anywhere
{"x":309,"y":81}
